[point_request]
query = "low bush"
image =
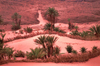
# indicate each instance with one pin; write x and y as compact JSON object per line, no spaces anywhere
{"x":19,"y":54}
{"x":15,"y":27}
{"x":47,"y":26}
{"x":56,"y":50}
{"x":35,"y":53}
{"x":83,"y":49}
{"x":61,"y":31}
{"x":94,"y":48}
{"x":69,"y":48}
{"x":75,"y":33}
{"x":68,"y":58}
{"x":7,"y":52}
{"x":21,"y":31}
{"x":74,"y":52}
{"x":84,"y":34}
{"x":56,"y":29}
{"x":28,"y":30}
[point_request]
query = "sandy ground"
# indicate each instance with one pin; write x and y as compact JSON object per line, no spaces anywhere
{"x":62,"y":42}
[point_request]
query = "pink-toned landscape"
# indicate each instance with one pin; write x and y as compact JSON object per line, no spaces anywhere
{"x":82,"y":14}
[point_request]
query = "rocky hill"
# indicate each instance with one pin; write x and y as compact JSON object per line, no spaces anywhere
{"x":78,"y":11}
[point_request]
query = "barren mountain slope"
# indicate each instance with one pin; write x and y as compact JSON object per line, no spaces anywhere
{"x":78,"y":12}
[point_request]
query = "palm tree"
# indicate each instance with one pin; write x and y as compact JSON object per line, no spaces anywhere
{"x":41,"y":41}
{"x":52,"y":14}
{"x":95,"y":30}
{"x":1,"y":20}
{"x":50,"y":42}
{"x":16,"y":17}
{"x":20,"y":19}
{"x":1,"y":40}
{"x":56,"y":51}
{"x":47,"y":43}
{"x":1,"y":45}
{"x":35,"y":53}
{"x":9,"y":52}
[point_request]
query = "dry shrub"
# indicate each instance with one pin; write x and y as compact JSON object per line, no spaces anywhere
{"x":94,"y":53}
{"x":3,"y":62}
{"x":74,"y":37}
{"x":90,"y":38}
{"x":74,"y":57}
{"x":19,"y":37}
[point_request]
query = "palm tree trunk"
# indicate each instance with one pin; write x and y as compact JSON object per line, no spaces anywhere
{"x":48,"y":51}
{"x":19,"y":22}
{"x":16,"y":20}
{"x":51,"y":50}
{"x":54,"y":20}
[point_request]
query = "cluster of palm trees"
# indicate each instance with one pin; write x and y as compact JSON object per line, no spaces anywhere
{"x":93,"y":31}
{"x":52,"y":15}
{"x":47,"y":43}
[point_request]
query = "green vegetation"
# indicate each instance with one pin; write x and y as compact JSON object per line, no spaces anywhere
{"x":75,"y":33}
{"x":84,"y":34}
{"x":1,"y":20}
{"x":92,"y":32}
{"x":16,"y":18}
{"x":94,"y":48}
{"x":47,"y":42}
{"x":19,"y":54}
{"x":36,"y":53}
{"x":74,"y":52}
{"x":71,"y":26}
{"x":21,"y":31}
{"x":83,"y":49}
{"x":15,"y":26}
{"x":69,"y":48}
{"x":51,"y":14}
{"x":48,"y":25}
{"x":2,"y":30}
{"x":16,"y":21}
{"x":56,"y":50}
{"x":28,"y":30}
{"x":76,"y":27}
{"x":95,"y":30}
{"x":41,"y":40}
{"x":7,"y":51}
